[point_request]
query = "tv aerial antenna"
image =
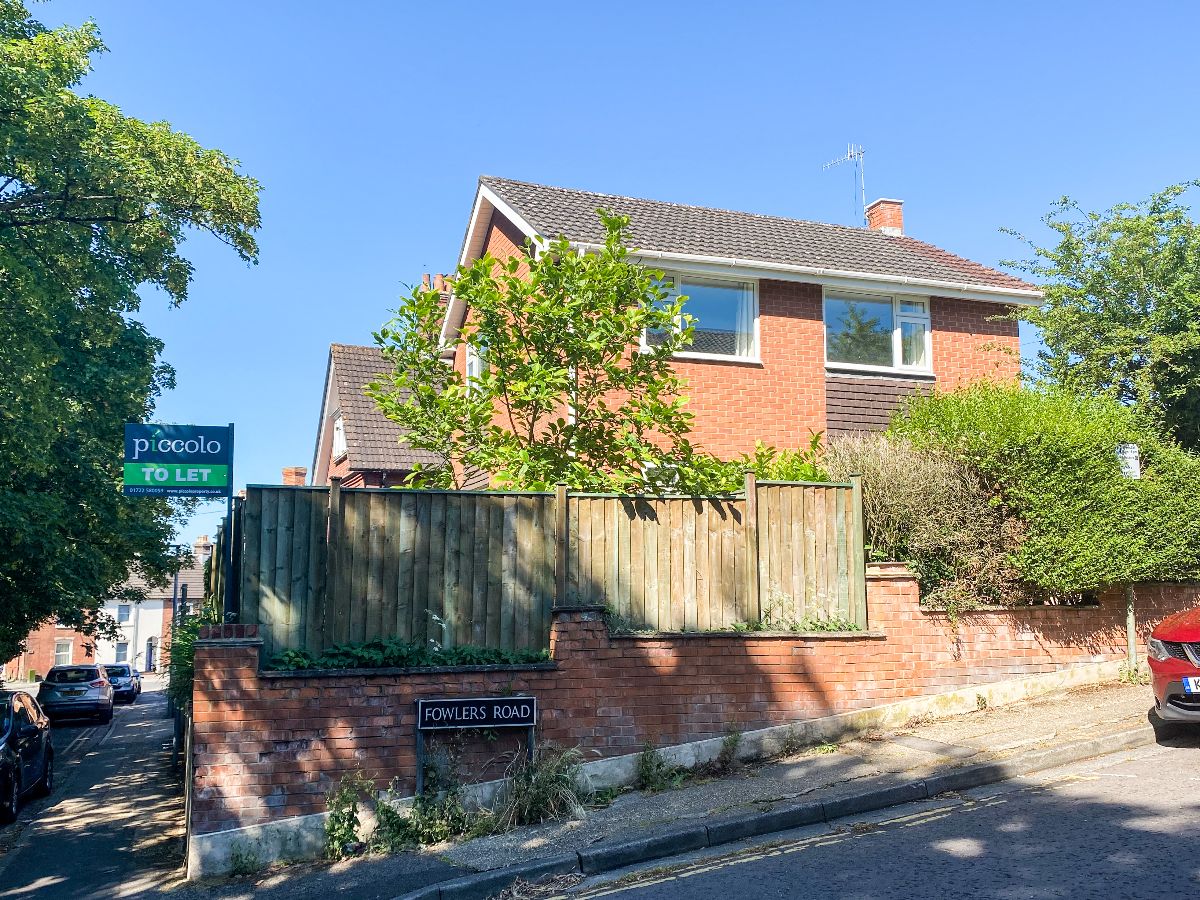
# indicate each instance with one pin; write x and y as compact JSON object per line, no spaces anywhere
{"x":854,"y":154}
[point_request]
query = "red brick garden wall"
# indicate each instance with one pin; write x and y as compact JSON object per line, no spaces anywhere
{"x":269,"y":745}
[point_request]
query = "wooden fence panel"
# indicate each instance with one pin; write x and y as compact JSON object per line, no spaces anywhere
{"x":321,"y":567}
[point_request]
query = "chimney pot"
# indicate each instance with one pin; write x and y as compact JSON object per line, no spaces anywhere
{"x":887,"y":216}
{"x":425,"y":281}
{"x":295,"y":475}
{"x":439,"y":283}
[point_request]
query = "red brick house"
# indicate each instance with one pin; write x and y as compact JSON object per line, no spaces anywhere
{"x":355,"y":441}
{"x":800,"y":326}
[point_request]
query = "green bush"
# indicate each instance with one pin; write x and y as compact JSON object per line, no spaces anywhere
{"x":1049,"y":459}
{"x":181,"y":653}
{"x":395,"y":653}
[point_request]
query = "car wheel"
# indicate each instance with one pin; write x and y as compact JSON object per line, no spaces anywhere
{"x":11,"y":803}
{"x":106,"y":716}
{"x":46,"y":782}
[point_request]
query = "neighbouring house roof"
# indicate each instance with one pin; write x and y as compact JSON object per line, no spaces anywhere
{"x":373,"y":441}
{"x":192,"y":576}
{"x":740,"y":237}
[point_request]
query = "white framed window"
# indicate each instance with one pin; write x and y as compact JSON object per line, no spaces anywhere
{"x":123,"y":652}
{"x":867,"y":331}
{"x":476,"y":365}
{"x":62,"y":653}
{"x":339,"y":437}
{"x":122,"y":613}
{"x":725,"y":314}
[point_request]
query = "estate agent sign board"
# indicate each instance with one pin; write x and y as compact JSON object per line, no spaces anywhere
{"x":179,"y":460}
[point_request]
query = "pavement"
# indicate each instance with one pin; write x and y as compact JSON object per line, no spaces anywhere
{"x":920,"y":750}
{"x":115,"y":829}
{"x":114,"y":825}
{"x":1123,"y":825}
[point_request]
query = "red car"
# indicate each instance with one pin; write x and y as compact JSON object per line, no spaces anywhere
{"x":1174,"y":651}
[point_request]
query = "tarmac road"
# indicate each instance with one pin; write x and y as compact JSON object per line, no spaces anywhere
{"x":1121,"y":826}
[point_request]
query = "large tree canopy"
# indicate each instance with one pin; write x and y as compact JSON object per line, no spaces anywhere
{"x":93,"y":205}
{"x":1122,"y":311}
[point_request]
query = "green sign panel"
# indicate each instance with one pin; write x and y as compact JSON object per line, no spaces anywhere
{"x":178,"y":460}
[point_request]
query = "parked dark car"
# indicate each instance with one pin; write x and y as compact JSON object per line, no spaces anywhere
{"x":126,"y":685}
{"x":26,"y":755}
{"x":76,"y":691}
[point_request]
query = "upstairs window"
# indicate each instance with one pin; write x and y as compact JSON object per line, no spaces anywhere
{"x":476,"y":365}
{"x":339,"y":437}
{"x":870,"y":332}
{"x":724,"y":317}
{"x":122,"y":612}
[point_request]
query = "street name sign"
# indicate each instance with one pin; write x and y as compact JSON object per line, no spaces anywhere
{"x":477,"y":712}
{"x":178,"y":460}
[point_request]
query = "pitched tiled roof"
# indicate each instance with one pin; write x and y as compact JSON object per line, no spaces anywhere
{"x":676,"y":228}
{"x":373,"y":441}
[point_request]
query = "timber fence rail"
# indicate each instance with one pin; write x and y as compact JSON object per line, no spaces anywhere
{"x":324,"y":566}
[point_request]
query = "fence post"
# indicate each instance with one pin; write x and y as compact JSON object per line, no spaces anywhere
{"x":858,"y":562}
{"x":332,"y":552}
{"x":560,"y":544}
{"x":753,"y":607}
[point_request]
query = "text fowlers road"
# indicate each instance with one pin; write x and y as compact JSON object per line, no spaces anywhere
{"x":477,"y":712}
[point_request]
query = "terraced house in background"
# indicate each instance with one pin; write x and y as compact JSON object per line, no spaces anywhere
{"x":800,"y":326}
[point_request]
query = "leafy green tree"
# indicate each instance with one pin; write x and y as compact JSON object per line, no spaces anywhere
{"x":93,"y":205}
{"x":1121,"y":316}
{"x":564,"y":392}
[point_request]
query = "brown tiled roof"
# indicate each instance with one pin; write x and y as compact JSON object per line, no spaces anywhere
{"x":192,"y":576}
{"x":676,"y":228}
{"x":373,"y":441}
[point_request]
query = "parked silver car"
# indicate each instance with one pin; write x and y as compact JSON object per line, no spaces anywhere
{"x":75,"y":691}
{"x":127,"y":684}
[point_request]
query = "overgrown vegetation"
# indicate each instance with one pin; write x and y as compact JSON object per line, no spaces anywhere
{"x":927,"y":507}
{"x":540,"y":788}
{"x":547,"y":786}
{"x":180,"y":652}
{"x":655,"y":774}
{"x":397,"y":653}
{"x":1048,"y":460}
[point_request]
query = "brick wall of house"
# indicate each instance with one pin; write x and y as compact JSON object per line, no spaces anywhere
{"x":39,"y":651}
{"x":778,"y":402}
{"x":270,"y":746}
{"x":971,"y":343}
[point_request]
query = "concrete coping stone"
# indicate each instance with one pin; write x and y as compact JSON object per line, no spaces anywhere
{"x":548,"y":666}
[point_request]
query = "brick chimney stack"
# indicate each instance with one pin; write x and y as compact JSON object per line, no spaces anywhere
{"x":886,"y":216}
{"x":295,"y":475}
{"x":202,"y":548}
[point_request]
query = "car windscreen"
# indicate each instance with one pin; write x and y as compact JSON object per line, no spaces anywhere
{"x":117,"y":671}
{"x":72,"y":676}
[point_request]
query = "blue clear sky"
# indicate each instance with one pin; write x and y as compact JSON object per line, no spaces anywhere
{"x":367,"y":124}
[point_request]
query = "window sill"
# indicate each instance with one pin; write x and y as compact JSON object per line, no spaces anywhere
{"x":718,"y":358}
{"x":879,"y":371}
